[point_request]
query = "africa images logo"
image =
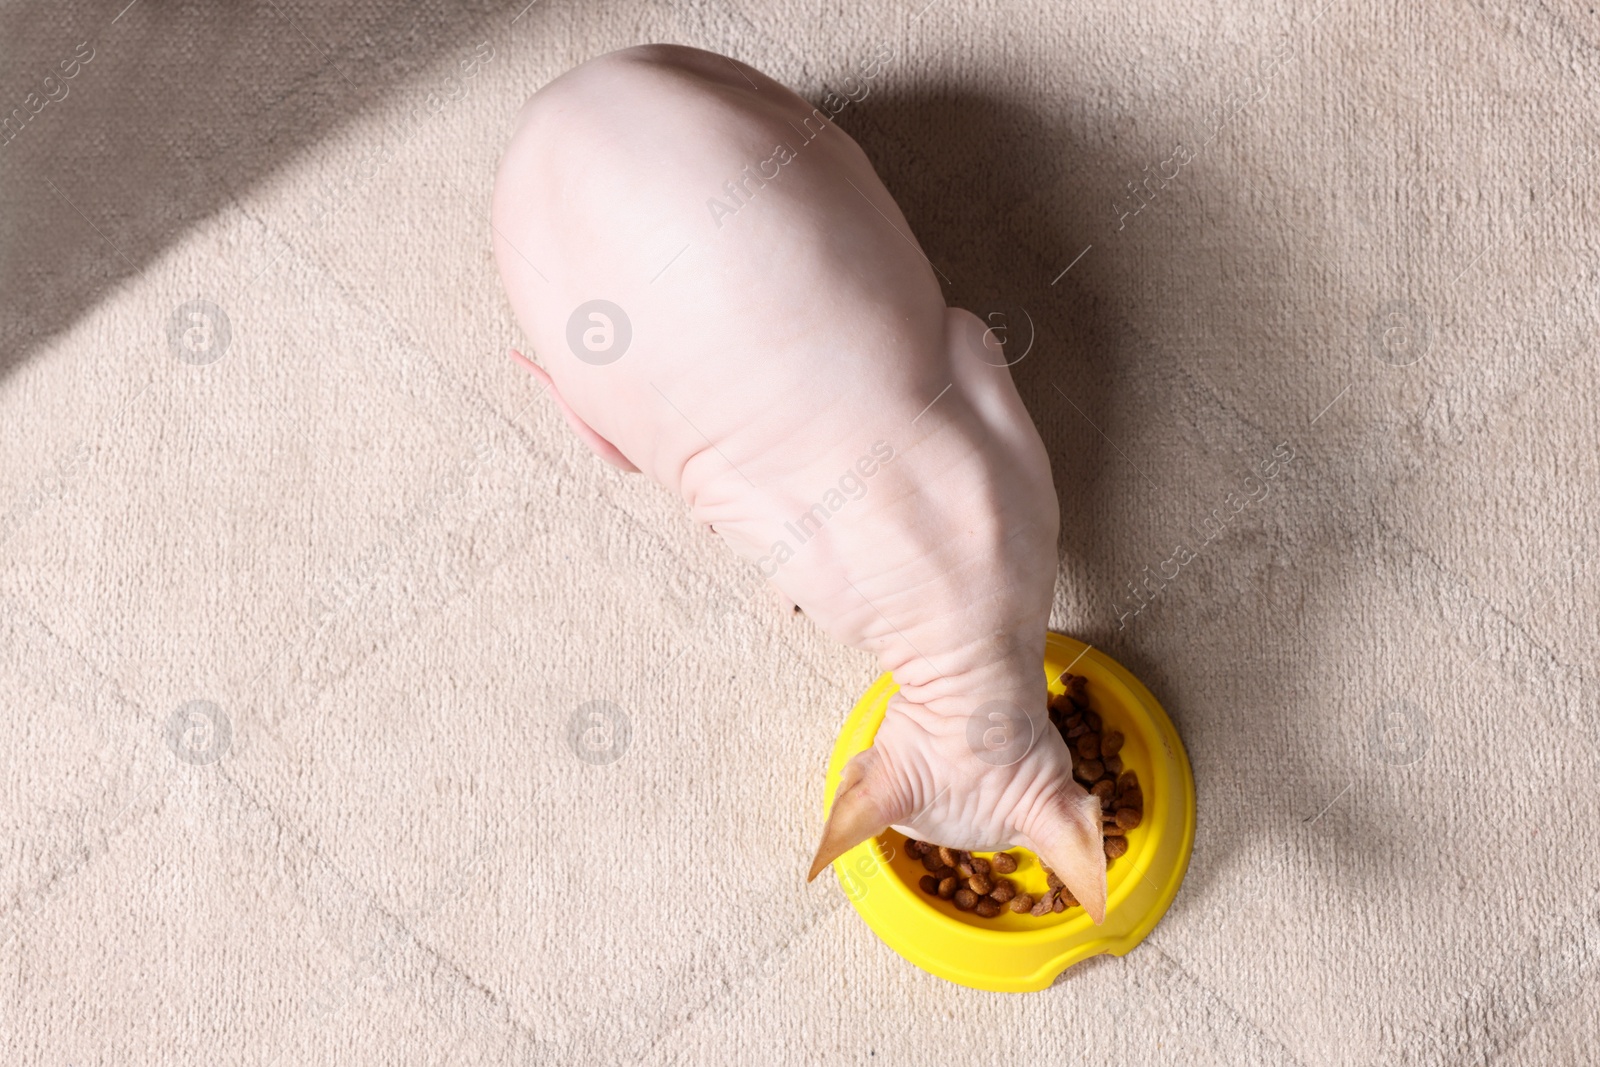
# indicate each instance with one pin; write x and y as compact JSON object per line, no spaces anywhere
{"x":198,"y":332}
{"x":599,"y":332}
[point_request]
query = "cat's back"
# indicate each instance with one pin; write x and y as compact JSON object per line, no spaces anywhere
{"x":761,"y":276}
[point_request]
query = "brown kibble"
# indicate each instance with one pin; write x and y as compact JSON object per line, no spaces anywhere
{"x":1116,"y":846}
{"x":966,"y":899}
{"x":1021,"y":902}
{"x":1111,"y":829}
{"x":1071,"y":722}
{"x":1092,"y":719}
{"x":949,"y":857}
{"x":947,"y":887}
{"x":1089,"y":770}
{"x":1127,"y":780}
{"x":980,"y":884}
{"x":1111,"y":743}
{"x":1128,"y":818}
{"x":1077,"y":731}
{"x":1130,"y":799}
{"x":942,"y":873}
{"x":1077,"y":686}
{"x":916,"y":849}
{"x":1103,"y":789}
{"x":932,"y":861}
{"x":1053,"y":881}
{"x":981,"y":865}
{"x":965,"y":869}
{"x":1003,"y":863}
{"x":987,"y":908}
{"x":1004,"y":889}
{"x":1066,"y":895}
{"x":1060,"y":904}
{"x":1044,"y":905}
{"x":1113,"y":763}
{"x":1088,"y":746}
{"x":930,"y":885}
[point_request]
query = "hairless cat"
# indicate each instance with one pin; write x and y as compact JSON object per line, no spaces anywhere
{"x":726,"y":297}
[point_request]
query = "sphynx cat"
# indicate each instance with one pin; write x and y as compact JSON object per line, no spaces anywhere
{"x":725,"y":297}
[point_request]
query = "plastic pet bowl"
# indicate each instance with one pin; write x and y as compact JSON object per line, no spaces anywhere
{"x":1017,"y":953}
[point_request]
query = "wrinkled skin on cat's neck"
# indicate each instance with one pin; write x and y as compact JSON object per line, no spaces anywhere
{"x":791,"y":369}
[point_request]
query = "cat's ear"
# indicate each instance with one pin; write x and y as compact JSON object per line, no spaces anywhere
{"x":864,"y":807}
{"x":597,"y":444}
{"x":1065,"y":834}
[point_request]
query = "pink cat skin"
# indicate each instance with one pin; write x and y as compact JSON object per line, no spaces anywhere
{"x":725,"y":297}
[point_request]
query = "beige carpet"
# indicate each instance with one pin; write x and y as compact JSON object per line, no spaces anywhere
{"x":263,"y":451}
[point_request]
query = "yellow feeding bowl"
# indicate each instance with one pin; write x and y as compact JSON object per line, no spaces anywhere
{"x":1017,"y":953}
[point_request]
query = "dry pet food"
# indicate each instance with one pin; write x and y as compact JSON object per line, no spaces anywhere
{"x":976,"y":883}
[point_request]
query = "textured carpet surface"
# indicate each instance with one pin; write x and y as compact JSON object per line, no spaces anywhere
{"x":302,"y":581}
